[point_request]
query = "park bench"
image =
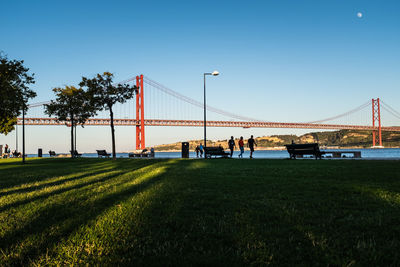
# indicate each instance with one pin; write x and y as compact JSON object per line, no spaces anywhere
{"x":139,"y":155}
{"x":143,"y":154}
{"x":16,"y":154}
{"x":76,"y":154}
{"x":102,"y":153}
{"x":52,"y":153}
{"x":215,"y":151}
{"x":338,"y":154}
{"x":299,"y":150}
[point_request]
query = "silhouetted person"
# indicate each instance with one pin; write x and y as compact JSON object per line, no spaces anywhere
{"x":201,"y":150}
{"x":197,"y":149}
{"x":250,"y":143}
{"x":241,"y":147}
{"x":232,"y":145}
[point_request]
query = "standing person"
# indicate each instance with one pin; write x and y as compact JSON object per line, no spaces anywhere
{"x":6,"y":149}
{"x":250,"y":143}
{"x":197,"y":149}
{"x":201,"y":150}
{"x":232,"y":145}
{"x":241,"y":147}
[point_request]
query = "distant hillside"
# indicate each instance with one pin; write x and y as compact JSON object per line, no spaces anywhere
{"x":342,"y":139}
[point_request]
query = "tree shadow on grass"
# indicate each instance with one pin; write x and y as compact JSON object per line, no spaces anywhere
{"x":93,"y":170}
{"x":60,"y":191}
{"x":202,"y":223}
{"x":260,"y":221}
{"x":59,"y":220}
{"x":50,"y":184}
{"x":44,"y":169}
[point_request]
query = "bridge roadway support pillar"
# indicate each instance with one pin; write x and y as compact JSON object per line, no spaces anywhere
{"x":140,"y":139}
{"x":376,"y":123}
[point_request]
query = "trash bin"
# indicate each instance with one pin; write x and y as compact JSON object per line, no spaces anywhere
{"x":40,"y":153}
{"x":185,"y":150}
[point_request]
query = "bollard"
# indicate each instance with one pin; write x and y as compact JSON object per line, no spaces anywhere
{"x":185,"y":150}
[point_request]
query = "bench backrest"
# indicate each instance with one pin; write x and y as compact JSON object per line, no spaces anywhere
{"x":302,"y":148}
{"x":214,"y":149}
{"x":101,"y":152}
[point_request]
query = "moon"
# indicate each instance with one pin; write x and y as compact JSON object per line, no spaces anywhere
{"x":359,"y":14}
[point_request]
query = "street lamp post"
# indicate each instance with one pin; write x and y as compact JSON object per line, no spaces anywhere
{"x":214,"y":73}
{"x":23,"y":134}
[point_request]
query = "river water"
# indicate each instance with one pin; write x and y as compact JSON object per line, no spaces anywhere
{"x":384,"y":153}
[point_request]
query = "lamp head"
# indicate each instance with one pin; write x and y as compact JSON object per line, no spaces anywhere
{"x":215,"y":73}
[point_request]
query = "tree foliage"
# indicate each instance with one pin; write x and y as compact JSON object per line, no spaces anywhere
{"x":71,"y":106}
{"x":14,"y":92}
{"x":104,"y":94}
{"x":7,"y":125}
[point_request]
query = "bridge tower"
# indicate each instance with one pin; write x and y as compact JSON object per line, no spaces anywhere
{"x":140,"y":140}
{"x":376,"y":122}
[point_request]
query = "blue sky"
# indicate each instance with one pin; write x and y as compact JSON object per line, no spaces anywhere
{"x":271,"y":55}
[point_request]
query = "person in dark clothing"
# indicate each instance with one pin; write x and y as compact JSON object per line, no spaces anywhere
{"x":250,"y":143}
{"x":197,"y":149}
{"x":231,"y":145}
{"x":241,"y":147}
{"x":201,"y":150}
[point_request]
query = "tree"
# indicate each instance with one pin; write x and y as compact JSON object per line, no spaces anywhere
{"x":7,"y":125}
{"x":104,"y":95}
{"x":14,"y":92}
{"x":72,"y":107}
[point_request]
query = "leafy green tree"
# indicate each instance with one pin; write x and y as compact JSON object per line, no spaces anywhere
{"x":70,"y":106}
{"x":14,"y":92}
{"x":7,"y":125}
{"x":104,"y":94}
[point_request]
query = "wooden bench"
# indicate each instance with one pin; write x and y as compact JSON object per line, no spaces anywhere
{"x":143,"y":154}
{"x":76,"y":154}
{"x":214,"y":151}
{"x":299,"y":150}
{"x":138,"y":155}
{"x":102,"y":153}
{"x":16,"y":154}
{"x":338,"y":154}
{"x":52,"y":153}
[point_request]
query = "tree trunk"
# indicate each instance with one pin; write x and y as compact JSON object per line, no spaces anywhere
{"x":72,"y":138}
{"x":112,"y":134}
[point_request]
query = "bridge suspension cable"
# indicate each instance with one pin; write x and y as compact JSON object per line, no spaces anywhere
{"x":366,"y":104}
{"x":191,"y":101}
{"x":389,"y":109}
{"x":194,"y":102}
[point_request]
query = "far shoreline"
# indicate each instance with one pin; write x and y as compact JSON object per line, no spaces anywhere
{"x":279,"y":148}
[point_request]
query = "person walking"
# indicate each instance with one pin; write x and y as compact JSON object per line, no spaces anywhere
{"x":197,"y":149}
{"x":231,"y":145}
{"x":241,"y":147}
{"x":250,"y":143}
{"x":201,"y":150}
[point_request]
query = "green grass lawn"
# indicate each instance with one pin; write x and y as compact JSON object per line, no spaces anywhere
{"x":199,"y":212}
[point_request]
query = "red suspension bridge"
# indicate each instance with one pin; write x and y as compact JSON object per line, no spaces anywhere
{"x":154,"y":112}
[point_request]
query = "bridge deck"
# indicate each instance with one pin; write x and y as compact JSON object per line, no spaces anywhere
{"x":200,"y":123}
